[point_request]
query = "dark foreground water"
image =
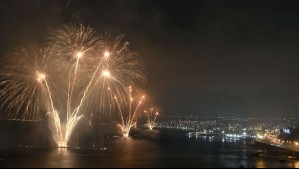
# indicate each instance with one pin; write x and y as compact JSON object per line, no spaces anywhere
{"x":154,"y":149}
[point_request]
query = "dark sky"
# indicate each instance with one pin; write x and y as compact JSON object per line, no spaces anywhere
{"x":203,"y":57}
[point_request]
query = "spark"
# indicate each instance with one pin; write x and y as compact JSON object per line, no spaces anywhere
{"x":106,"y":55}
{"x":79,"y":55}
{"x":106,"y":73}
{"x":40,"y":76}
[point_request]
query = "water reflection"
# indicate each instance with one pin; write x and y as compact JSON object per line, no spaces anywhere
{"x":62,"y":151}
{"x":60,"y":157}
{"x":294,"y":164}
{"x":260,"y":163}
{"x":141,"y":152}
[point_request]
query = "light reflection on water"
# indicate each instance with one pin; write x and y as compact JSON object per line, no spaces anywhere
{"x":294,"y":164}
{"x":260,"y":163}
{"x":167,"y":151}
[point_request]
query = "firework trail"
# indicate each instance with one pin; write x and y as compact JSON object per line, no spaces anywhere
{"x":76,"y":44}
{"x":128,"y":109}
{"x":151,"y":117}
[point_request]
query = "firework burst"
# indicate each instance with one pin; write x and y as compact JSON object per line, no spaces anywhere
{"x":25,"y":81}
{"x":119,"y":68}
{"x":79,"y":74}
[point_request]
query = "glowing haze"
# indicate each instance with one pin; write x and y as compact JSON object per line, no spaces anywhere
{"x":80,"y":73}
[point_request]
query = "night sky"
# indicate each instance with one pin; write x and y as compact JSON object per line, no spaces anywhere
{"x":206,"y":58}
